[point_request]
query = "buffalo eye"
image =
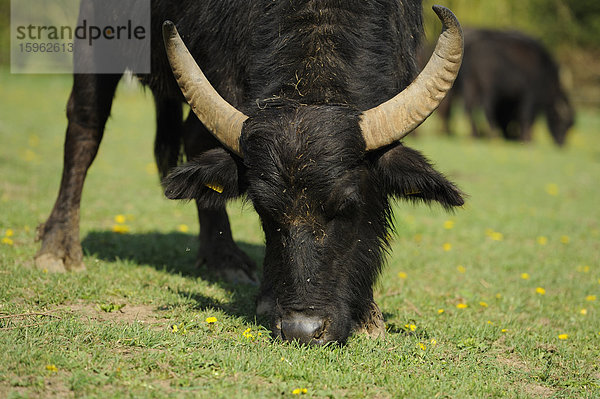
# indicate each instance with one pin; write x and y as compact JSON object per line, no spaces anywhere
{"x":344,"y":201}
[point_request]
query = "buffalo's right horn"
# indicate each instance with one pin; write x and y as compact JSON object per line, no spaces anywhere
{"x":222,"y":119}
{"x":395,"y":118}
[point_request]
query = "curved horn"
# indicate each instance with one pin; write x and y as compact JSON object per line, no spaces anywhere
{"x":222,"y":119}
{"x":395,"y":118}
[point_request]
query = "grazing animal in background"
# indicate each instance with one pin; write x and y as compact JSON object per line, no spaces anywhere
{"x":300,"y":106}
{"x":513,"y":79}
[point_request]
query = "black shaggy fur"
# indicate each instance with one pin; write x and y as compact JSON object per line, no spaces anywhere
{"x":303,"y":71}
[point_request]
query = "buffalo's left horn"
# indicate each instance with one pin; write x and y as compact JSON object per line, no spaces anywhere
{"x":395,"y":118}
{"x":222,"y":119}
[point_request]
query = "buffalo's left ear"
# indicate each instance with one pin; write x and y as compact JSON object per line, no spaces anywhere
{"x":212,"y":179}
{"x":406,"y":174}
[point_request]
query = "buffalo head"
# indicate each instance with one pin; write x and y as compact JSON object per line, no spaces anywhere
{"x":321,"y":178}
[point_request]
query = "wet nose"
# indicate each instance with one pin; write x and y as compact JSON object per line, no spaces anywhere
{"x":303,"y":328}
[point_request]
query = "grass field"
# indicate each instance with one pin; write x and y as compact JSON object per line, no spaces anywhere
{"x":496,"y":300}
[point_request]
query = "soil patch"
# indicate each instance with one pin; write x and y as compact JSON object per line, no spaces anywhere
{"x":145,"y":314}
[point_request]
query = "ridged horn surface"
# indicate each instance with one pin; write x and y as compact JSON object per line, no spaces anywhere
{"x":395,"y":118}
{"x":222,"y":119}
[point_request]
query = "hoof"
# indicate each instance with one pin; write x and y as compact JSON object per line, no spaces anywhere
{"x":54,"y":264}
{"x":228,"y":262}
{"x":235,"y":275}
{"x":239,"y":276}
{"x":373,"y":327}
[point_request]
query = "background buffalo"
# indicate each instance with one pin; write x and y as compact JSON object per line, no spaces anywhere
{"x":512,"y":79}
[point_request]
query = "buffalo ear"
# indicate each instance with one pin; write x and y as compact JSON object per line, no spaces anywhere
{"x":406,"y":174}
{"x":211,"y":179}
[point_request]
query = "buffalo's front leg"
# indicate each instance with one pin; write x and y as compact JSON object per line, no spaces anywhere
{"x":87,"y":111}
{"x":217,"y":251}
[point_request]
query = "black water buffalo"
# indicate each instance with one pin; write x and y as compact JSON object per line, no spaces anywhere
{"x":310,"y":100}
{"x":513,"y":79}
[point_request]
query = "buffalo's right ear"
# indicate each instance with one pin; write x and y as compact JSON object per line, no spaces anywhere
{"x":406,"y":174}
{"x":211,"y":179}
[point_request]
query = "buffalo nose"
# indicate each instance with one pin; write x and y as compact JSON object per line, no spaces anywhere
{"x":303,"y":328}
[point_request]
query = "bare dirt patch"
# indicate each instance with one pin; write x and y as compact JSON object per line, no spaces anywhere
{"x":510,"y":360}
{"x":145,"y":314}
{"x":539,"y":391}
{"x":513,"y":362}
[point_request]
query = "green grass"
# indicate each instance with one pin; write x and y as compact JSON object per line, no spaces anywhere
{"x":509,"y":348}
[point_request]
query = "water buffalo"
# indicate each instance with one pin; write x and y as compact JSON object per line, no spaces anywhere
{"x":300,"y":106}
{"x":513,"y":79}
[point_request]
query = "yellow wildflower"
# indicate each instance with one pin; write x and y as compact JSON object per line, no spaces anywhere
{"x":462,"y":306}
{"x":525,"y":276}
{"x":540,"y":291}
{"x":9,"y":233}
{"x":52,"y":368}
{"x":299,"y":391}
{"x":402,"y":275}
{"x":247,"y":334}
{"x":410,"y":327}
{"x":590,"y":298}
{"x":498,"y":296}
{"x":422,"y":346}
{"x":504,"y":330}
{"x":583,"y":269}
{"x":433,"y":342}
{"x":120,"y":228}
{"x":563,"y":336}
{"x":447,"y":246}
{"x":461,"y":269}
{"x":491,"y":323}
{"x":151,"y":168}
{"x":483,"y":304}
{"x":29,"y":156}
{"x":120,"y":219}
{"x":565,"y":239}
{"x":552,"y":189}
{"x":583,"y":311}
{"x":440,"y":311}
{"x":183,"y":228}
{"x":211,"y":320}
{"x":449,"y":224}
{"x":174,"y":328}
{"x":496,"y":236}
{"x":7,"y":241}
{"x":542,"y":240}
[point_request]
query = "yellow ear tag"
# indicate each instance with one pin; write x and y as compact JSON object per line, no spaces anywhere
{"x":215,"y":187}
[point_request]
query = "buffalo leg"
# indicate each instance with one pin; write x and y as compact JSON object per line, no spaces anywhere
{"x":87,"y":111}
{"x":444,"y":112}
{"x":526,"y":119}
{"x":217,"y":250}
{"x":471,"y":116}
{"x":169,"y":131}
{"x":471,"y":99}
